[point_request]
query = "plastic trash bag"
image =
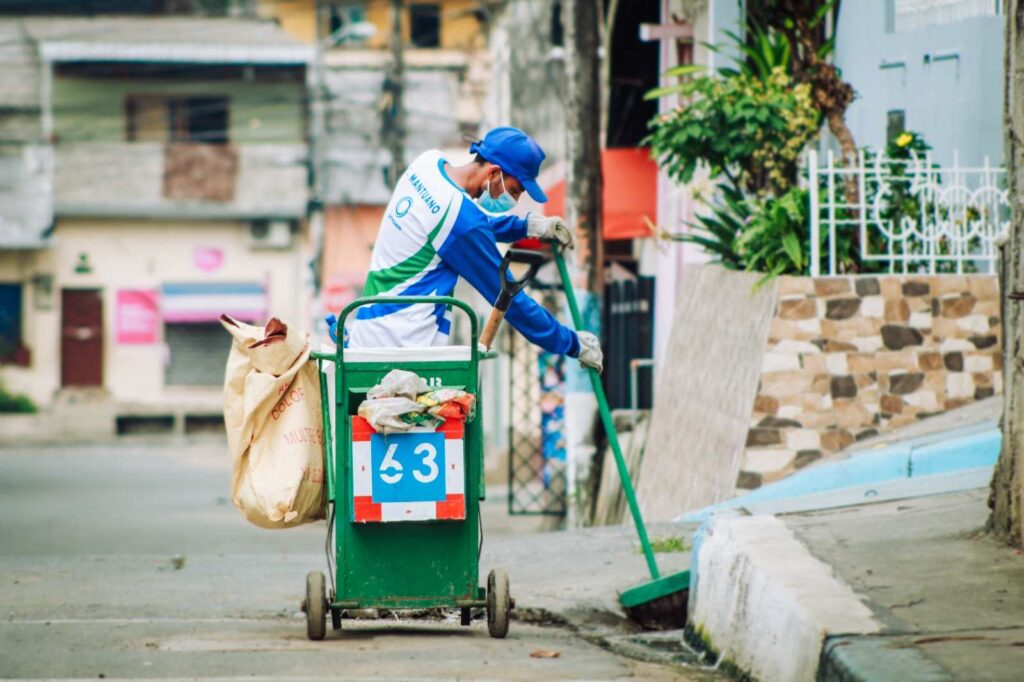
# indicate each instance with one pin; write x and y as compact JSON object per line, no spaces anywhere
{"x":385,"y":414}
{"x":403,"y":400}
{"x":398,"y":383}
{"x":448,"y":403}
{"x":274,"y":425}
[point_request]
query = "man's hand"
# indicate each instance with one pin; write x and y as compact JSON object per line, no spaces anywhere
{"x":550,"y":228}
{"x":590,"y":352}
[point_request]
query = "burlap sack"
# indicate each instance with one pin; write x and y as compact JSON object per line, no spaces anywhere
{"x":274,"y":425}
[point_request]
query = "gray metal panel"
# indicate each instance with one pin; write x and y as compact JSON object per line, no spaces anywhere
{"x":199,"y":354}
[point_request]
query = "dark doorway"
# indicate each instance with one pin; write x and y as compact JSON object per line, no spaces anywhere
{"x":81,"y":348}
{"x":635,"y":66}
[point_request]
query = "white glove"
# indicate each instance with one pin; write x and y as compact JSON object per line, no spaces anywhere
{"x":550,"y":228}
{"x":590,"y":351}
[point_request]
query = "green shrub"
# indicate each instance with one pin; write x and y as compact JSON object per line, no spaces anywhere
{"x":770,"y":235}
{"x":15,"y":404}
{"x":748,"y":129}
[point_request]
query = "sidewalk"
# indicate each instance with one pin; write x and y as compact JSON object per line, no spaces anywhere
{"x":573,"y":578}
{"x":949,"y":598}
{"x":900,"y":590}
{"x":873,"y":565}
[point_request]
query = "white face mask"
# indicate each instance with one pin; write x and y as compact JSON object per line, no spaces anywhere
{"x":503,"y":204}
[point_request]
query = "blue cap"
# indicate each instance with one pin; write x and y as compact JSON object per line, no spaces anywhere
{"x":517,"y":154}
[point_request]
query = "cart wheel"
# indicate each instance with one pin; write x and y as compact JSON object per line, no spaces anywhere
{"x":498,"y":603}
{"x":316,"y":606}
{"x":335,"y":618}
{"x":467,"y":615}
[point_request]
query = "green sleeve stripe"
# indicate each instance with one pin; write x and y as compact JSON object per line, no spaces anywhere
{"x":381,"y":281}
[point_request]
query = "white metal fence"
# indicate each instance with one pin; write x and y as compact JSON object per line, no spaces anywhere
{"x":908,"y":215}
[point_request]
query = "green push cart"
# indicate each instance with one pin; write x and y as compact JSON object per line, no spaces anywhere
{"x":403,"y":528}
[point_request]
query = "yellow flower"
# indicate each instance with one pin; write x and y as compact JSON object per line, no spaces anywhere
{"x":904,"y":139}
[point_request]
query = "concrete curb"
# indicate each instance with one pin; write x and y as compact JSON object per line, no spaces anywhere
{"x":875,"y":659}
{"x":762,"y":601}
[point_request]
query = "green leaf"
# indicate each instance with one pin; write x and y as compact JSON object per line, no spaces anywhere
{"x":655,"y":93}
{"x":791,"y":244}
{"x":685,"y":70}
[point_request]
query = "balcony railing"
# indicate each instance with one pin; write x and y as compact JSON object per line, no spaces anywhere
{"x":910,"y":215}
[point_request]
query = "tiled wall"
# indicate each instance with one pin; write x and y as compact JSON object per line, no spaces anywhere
{"x":850,"y":357}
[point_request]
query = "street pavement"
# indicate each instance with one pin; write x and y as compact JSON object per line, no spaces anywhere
{"x":128,"y":561}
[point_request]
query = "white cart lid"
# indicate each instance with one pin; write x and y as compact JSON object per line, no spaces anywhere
{"x":415,"y":354}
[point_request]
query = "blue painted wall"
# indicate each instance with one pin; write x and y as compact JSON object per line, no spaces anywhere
{"x":955,"y":103}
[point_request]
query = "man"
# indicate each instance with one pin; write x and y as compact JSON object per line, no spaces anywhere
{"x":442,"y":223}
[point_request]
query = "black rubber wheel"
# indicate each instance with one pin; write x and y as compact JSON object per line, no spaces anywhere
{"x":467,"y":615}
{"x":498,"y":603}
{"x":316,"y":606}
{"x":336,"y":618}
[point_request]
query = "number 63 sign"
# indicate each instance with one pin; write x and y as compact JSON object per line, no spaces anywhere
{"x":405,"y":467}
{"x":413,"y":476}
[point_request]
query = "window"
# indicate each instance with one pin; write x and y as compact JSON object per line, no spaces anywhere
{"x":154,"y":118}
{"x":11,"y":346}
{"x":344,"y":16}
{"x":557,"y":29}
{"x":895,"y":124}
{"x":425,"y":24}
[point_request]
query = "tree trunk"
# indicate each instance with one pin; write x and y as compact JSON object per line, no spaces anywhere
{"x":1006,"y":492}
{"x":583,"y":127}
{"x":607,"y":29}
{"x":583,"y":201}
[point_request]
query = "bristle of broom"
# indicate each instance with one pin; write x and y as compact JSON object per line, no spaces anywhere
{"x":664,"y":613}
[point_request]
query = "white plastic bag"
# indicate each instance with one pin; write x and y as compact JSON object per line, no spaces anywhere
{"x":385,"y":414}
{"x":399,"y":383}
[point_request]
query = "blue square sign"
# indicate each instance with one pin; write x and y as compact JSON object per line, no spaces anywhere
{"x":408,"y":467}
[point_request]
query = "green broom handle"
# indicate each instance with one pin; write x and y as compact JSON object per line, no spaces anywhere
{"x":606,"y":419}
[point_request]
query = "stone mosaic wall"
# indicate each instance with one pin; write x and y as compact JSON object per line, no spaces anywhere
{"x":850,"y":357}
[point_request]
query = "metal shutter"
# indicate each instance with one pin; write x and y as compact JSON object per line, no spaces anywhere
{"x":199,"y":353}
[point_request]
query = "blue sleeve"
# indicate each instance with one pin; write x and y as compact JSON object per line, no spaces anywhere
{"x":507,"y":228}
{"x":470,"y":251}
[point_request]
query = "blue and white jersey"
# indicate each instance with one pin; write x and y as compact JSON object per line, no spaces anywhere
{"x":433,"y":233}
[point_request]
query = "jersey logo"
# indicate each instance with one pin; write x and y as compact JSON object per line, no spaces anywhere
{"x":403,"y":206}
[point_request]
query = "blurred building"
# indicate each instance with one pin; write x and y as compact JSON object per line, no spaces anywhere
{"x":931,"y":66}
{"x":444,"y":85}
{"x":155,"y":175}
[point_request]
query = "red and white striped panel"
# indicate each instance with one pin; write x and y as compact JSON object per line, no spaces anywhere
{"x":365,"y":510}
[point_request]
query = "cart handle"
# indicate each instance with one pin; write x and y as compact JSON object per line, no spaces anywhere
{"x":433,"y":300}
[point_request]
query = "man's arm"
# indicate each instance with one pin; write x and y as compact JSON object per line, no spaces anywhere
{"x":471,"y":252}
{"x":507,"y":228}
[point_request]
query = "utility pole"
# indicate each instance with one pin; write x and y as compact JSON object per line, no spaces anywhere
{"x":1007,"y":494}
{"x":581,"y":19}
{"x":394,"y":111}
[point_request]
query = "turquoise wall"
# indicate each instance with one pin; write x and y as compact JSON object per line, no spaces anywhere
{"x":93,"y":109}
{"x":956,"y":103}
